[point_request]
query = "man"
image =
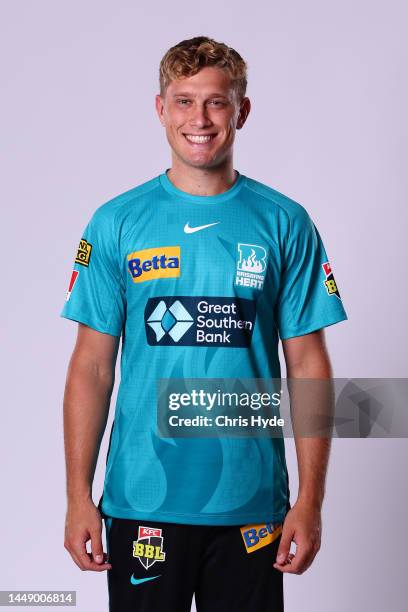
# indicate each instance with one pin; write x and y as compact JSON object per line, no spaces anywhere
{"x":157,"y":266}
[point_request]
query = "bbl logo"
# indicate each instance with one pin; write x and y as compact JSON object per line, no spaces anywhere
{"x":148,"y":547}
{"x":330,"y":283}
{"x":251,"y":266}
{"x":83,"y":255}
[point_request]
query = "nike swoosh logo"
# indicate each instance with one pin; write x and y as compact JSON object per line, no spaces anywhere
{"x":134,"y":580}
{"x":191,"y":230}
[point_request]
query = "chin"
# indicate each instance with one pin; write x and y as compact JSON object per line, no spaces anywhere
{"x":201,"y":163}
{"x":196,"y":161}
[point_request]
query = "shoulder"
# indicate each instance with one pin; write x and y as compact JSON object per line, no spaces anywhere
{"x":290,"y":210}
{"x":113,"y":212}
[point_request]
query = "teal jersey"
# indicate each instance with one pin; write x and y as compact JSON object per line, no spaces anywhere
{"x":198,"y":287}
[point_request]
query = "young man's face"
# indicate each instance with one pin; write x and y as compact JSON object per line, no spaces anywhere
{"x":200,"y":114}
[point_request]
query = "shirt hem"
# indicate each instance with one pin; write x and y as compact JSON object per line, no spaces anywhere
{"x":80,"y":318}
{"x":307,"y":329}
{"x":193,"y":519}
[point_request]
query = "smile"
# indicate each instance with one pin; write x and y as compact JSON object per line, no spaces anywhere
{"x":199,"y":139}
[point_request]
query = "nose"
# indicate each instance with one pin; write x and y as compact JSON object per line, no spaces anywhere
{"x":199,"y":117}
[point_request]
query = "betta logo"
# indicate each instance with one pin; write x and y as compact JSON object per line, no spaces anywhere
{"x":158,"y":262}
{"x":258,"y":536}
{"x":330,"y":283}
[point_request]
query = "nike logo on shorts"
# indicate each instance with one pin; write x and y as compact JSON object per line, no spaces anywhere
{"x":134,"y":580}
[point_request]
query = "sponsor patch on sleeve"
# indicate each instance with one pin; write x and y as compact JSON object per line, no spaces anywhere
{"x":74,"y":276}
{"x":329,"y":282}
{"x":83,"y":255}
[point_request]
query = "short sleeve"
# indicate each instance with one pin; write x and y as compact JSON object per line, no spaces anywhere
{"x":309,"y":297}
{"x":96,"y":293}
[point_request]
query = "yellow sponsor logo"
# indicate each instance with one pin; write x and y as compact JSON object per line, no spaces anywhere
{"x":148,"y":551}
{"x":158,"y":262}
{"x":331,"y":286}
{"x":84,"y":253}
{"x":257,"y":536}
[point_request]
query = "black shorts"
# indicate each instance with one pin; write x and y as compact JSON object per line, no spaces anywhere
{"x":159,"y":566}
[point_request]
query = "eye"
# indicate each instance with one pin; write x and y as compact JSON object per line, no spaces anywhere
{"x":217,"y":103}
{"x":183,"y":101}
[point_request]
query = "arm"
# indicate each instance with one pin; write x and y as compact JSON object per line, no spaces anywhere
{"x":306,"y":357}
{"x":89,"y":384}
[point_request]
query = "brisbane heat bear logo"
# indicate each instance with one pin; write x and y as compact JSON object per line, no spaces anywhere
{"x":251,"y":266}
{"x":148,"y":547}
{"x":330,"y":283}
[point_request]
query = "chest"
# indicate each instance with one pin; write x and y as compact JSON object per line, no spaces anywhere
{"x":201,"y":252}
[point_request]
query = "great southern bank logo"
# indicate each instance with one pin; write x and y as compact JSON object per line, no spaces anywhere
{"x":174,"y":321}
{"x":251,"y":266}
{"x":199,"y":321}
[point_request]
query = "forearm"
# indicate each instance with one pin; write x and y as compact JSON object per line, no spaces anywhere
{"x":312,"y":456}
{"x":86,"y":407}
{"x":312,"y":452}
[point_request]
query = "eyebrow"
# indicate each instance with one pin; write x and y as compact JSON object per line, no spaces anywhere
{"x":187,"y":93}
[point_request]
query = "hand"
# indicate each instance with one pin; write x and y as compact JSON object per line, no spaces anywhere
{"x":84,"y":522}
{"x":303,"y":525}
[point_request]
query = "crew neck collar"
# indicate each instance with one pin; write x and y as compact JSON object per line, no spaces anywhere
{"x":219,"y":197}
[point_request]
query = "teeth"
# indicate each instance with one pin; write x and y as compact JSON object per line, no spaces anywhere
{"x":192,"y":138}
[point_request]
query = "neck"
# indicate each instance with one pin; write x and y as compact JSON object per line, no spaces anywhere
{"x":202,"y":181}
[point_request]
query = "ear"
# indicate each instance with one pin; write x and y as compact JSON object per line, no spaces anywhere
{"x":159,"y":102}
{"x":245,"y":108}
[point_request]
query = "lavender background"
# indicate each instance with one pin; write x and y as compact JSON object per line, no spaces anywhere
{"x":328,"y":127}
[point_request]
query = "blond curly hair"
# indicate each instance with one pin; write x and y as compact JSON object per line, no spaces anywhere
{"x":189,"y":56}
